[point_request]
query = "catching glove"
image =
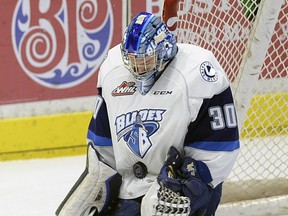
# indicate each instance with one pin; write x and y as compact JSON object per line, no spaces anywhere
{"x":161,"y":200}
{"x":188,"y":179}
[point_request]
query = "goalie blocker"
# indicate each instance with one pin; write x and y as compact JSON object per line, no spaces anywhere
{"x":96,"y":191}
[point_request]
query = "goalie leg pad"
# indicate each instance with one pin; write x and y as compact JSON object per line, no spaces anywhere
{"x":216,"y":194}
{"x":129,"y":207}
{"x":95,"y":192}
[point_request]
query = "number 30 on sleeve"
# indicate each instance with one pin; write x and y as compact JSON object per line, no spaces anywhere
{"x":223,"y":117}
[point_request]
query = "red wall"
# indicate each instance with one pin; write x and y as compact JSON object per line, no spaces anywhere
{"x":52,"y":50}
{"x":42,"y":47}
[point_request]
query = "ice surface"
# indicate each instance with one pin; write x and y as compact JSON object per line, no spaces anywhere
{"x":36,"y":187}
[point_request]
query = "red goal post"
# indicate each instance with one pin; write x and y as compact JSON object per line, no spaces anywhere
{"x":250,"y":40}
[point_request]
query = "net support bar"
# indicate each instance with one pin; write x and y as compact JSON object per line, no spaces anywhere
{"x":251,"y":65}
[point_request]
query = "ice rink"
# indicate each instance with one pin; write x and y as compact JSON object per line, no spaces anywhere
{"x":36,"y":187}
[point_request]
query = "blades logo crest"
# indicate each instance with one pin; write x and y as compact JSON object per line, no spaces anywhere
{"x":137,"y":127}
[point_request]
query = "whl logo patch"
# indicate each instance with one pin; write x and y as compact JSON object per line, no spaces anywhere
{"x":126,"y":88}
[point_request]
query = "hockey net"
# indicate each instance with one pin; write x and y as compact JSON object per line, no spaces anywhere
{"x":250,"y":40}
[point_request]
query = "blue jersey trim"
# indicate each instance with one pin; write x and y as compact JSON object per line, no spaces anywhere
{"x":216,"y":146}
{"x":99,"y":140}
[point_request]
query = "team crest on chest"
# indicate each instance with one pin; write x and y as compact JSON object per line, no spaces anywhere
{"x":207,"y":72}
{"x":137,"y":127}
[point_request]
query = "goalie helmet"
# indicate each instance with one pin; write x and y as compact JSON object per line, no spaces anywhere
{"x":147,"y":47}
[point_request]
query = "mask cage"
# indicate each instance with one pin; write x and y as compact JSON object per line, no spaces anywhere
{"x":142,"y":65}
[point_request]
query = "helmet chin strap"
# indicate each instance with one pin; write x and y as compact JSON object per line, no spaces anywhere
{"x":144,"y":86}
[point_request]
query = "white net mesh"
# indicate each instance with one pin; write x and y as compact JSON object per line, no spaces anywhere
{"x":224,"y":27}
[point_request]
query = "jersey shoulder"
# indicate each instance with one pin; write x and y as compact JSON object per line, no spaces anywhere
{"x":113,"y":58}
{"x":203,"y":74}
{"x":112,"y":61}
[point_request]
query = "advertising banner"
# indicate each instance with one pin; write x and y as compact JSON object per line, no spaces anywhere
{"x":53,"y":49}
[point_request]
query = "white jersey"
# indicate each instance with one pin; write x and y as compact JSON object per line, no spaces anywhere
{"x":189,"y":107}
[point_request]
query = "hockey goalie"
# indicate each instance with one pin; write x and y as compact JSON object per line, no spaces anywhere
{"x":163,"y":137}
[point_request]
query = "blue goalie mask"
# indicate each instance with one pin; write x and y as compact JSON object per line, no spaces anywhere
{"x":147,"y":47}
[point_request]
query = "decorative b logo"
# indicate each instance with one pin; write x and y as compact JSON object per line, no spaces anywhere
{"x":60,"y":44}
